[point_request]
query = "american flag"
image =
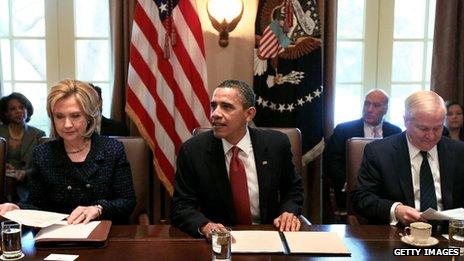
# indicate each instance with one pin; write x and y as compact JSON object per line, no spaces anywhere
{"x":166,"y":90}
{"x":269,"y":46}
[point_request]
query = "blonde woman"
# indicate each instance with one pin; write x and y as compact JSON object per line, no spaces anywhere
{"x":80,"y":172}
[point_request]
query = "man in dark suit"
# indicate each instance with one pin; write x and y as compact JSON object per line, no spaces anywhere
{"x":206,"y":189}
{"x":370,"y":125}
{"x":109,"y":127}
{"x":403,"y":175}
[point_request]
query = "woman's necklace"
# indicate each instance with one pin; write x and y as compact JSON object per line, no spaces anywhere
{"x":86,"y":144}
{"x":17,"y":137}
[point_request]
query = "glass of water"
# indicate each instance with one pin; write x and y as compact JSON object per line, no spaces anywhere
{"x":11,"y":240}
{"x":456,"y":234}
{"x":221,"y":242}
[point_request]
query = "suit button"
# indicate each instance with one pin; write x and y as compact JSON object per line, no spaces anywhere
{"x":69,"y":188}
{"x":87,"y":185}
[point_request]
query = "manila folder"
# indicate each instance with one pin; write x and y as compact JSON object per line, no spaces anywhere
{"x":90,"y":235}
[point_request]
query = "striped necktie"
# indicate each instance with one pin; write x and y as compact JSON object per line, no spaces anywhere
{"x":428,"y":198}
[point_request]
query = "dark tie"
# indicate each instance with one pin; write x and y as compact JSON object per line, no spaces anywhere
{"x":427,"y":188}
{"x":239,"y":187}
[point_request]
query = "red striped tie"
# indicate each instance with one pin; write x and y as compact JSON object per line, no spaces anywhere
{"x":239,"y":187}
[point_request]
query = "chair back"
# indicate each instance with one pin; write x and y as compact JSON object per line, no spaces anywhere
{"x":3,"y":179}
{"x":354,"y":155}
{"x":139,"y":156}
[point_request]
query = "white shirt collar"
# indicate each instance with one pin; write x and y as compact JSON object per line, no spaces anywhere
{"x":372,"y":126}
{"x":244,"y":144}
{"x":414,"y":151}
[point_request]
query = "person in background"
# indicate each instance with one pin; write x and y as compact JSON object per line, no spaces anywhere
{"x":15,"y":112}
{"x":371,"y":125}
{"x":234,"y":174}
{"x":80,"y":172}
{"x":454,"y":121}
{"x":405,"y":174}
{"x":109,"y":127}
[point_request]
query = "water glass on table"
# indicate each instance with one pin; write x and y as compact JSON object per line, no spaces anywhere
{"x":221,"y":242}
{"x":11,"y":240}
{"x":456,"y":234}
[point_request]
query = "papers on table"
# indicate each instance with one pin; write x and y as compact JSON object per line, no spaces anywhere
{"x":315,"y":242}
{"x":432,"y":214}
{"x":252,"y":241}
{"x":62,"y":230}
{"x":61,"y":257}
{"x":34,"y":218}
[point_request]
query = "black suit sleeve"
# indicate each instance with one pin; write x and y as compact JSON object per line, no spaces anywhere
{"x":371,"y":182}
{"x":334,"y":160}
{"x":290,"y":184}
{"x":185,"y":213}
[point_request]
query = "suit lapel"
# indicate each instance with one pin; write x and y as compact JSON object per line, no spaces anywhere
{"x":359,"y":132}
{"x":262,"y":162}
{"x":446,"y":156}
{"x":403,"y":168}
{"x":218,"y":173}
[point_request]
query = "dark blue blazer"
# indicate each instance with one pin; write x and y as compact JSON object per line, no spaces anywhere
{"x":385,"y":177}
{"x":60,"y":185}
{"x":202,"y":189}
{"x":334,"y":159}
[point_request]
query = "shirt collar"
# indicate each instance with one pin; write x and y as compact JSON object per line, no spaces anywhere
{"x":244,"y":144}
{"x":372,"y":126}
{"x":414,"y":151}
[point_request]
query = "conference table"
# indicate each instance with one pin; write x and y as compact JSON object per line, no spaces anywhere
{"x":164,"y":242}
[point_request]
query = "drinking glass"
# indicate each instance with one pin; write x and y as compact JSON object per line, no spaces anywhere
{"x":456,"y":234}
{"x":11,"y":240}
{"x":221,"y":244}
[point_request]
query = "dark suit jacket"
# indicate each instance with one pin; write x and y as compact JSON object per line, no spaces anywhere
{"x":111,"y":127}
{"x":104,"y":178}
{"x":334,"y":158}
{"x":202,"y":189}
{"x":385,"y":177}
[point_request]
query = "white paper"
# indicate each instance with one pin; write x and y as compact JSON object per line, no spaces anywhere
{"x":34,"y":218}
{"x":61,"y":257}
{"x":432,"y":214}
{"x":253,"y":241}
{"x":64,"y":231}
{"x":315,"y":242}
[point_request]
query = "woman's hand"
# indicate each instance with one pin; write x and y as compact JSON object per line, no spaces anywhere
{"x":5,"y":207}
{"x":83,"y":214}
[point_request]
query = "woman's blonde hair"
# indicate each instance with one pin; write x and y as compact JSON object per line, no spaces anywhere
{"x":85,"y":95}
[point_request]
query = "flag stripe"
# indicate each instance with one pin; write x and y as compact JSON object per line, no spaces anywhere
{"x":193,"y":22}
{"x":164,"y":66}
{"x":156,"y":136}
{"x":143,"y":115}
{"x":162,"y":112}
{"x":166,"y":95}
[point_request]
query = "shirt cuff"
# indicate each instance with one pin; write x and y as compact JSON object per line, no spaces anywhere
{"x":393,"y":220}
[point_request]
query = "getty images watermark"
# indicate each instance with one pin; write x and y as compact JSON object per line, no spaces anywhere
{"x":426,"y":252}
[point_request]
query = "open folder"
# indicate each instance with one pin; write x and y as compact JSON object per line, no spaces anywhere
{"x":301,"y":242}
{"x":91,"y":235}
